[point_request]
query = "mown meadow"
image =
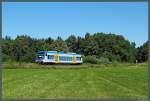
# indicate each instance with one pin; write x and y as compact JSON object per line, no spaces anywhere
{"x":86,"y":81}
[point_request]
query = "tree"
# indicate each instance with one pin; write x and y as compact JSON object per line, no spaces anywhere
{"x":72,"y":43}
{"x":59,"y":45}
{"x":49,"y":40}
{"x":6,"y":46}
{"x":142,"y":52}
{"x":23,"y":48}
{"x":100,"y":45}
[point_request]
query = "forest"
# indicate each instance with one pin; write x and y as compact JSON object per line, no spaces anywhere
{"x":95,"y":48}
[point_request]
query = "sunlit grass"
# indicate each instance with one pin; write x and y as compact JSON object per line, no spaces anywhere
{"x":114,"y":81}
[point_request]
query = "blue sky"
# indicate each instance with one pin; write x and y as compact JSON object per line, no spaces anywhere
{"x":52,"y":19}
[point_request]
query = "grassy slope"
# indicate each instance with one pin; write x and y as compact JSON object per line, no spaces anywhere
{"x":111,"y":82}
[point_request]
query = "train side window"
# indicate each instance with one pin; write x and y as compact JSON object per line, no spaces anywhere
{"x":64,"y":58}
{"x":70,"y":58}
{"x":50,"y":56}
{"x":79,"y":58}
{"x":61,"y":58}
{"x":67,"y":58}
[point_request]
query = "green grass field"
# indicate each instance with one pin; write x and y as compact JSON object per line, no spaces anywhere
{"x":122,"y":81}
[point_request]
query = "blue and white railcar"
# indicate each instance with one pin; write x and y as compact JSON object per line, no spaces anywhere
{"x":58,"y":57}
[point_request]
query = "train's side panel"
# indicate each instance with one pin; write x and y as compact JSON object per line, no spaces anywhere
{"x":72,"y":58}
{"x":63,"y":60}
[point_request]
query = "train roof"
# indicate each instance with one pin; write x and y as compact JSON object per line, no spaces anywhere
{"x":69,"y":53}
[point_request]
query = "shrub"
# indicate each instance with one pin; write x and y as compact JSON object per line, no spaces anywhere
{"x":6,"y":58}
{"x":90,"y":59}
{"x":103,"y":60}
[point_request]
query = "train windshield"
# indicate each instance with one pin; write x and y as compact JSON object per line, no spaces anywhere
{"x":40,"y":55}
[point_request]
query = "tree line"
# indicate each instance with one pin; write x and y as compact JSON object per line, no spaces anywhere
{"x":110,"y":47}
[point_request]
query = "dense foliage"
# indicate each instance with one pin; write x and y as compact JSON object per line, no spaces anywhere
{"x":142,"y":55}
{"x":99,"y":46}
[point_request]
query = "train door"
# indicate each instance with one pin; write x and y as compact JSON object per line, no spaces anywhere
{"x":74,"y":59}
{"x":56,"y":57}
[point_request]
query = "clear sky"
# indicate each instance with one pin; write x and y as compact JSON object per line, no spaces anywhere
{"x":52,"y":19}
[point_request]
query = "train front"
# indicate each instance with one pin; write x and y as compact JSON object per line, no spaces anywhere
{"x":40,"y":57}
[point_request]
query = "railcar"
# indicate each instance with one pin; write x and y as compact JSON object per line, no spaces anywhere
{"x":55,"y":57}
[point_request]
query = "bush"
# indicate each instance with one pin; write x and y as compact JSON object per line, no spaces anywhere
{"x":90,"y":59}
{"x":6,"y":58}
{"x":103,"y":60}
